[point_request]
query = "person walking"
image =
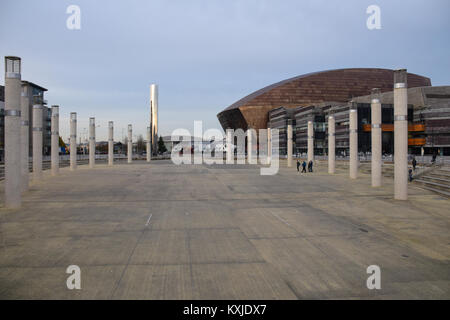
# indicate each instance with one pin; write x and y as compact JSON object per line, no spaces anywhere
{"x":304,"y":167}
{"x":298,"y":166}
{"x":414,"y":163}
{"x":310,"y":166}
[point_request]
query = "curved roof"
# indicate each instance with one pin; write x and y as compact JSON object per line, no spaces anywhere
{"x":339,"y":85}
{"x":325,"y":73}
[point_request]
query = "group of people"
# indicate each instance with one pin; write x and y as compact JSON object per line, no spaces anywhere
{"x":303,"y":164}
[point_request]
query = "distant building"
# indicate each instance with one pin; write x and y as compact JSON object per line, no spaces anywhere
{"x":339,"y":85}
{"x":34,"y":92}
{"x":428,"y":118}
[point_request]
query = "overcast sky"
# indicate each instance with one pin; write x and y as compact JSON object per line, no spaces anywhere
{"x":205,"y":55}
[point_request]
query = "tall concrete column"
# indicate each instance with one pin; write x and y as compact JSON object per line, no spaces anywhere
{"x":25,"y":136}
{"x":376,"y":137}
{"x":310,"y":141}
{"x":230,"y":153}
{"x":130,"y":144}
{"x":110,"y":143}
{"x":289,"y":144}
{"x":148,"y":144}
{"x":13,"y":87}
{"x":269,"y":144}
{"x":37,"y":138}
{"x":73,"y":141}
{"x":91,"y":142}
{"x":55,"y":140}
{"x":353,"y":141}
{"x":251,"y":136}
{"x":331,"y":145}
{"x":154,"y":115}
{"x":400,"y":135}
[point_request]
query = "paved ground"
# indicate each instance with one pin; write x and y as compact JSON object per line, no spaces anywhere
{"x":162,"y":231}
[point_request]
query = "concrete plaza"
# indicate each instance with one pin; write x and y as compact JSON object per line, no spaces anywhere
{"x":161,"y":231}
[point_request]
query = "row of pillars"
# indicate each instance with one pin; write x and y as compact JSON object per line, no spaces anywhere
{"x":73,"y":144}
{"x":17,"y":139}
{"x":400,"y":139}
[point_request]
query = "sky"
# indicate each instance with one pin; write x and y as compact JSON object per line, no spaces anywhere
{"x":206,"y":54}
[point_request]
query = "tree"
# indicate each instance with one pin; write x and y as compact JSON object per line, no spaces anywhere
{"x":141,"y":147}
{"x":161,"y":146}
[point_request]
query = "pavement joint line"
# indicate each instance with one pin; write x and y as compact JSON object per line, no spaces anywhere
{"x":148,"y":221}
{"x":139,"y":264}
{"x":279,"y":218}
{"x":128,"y":262}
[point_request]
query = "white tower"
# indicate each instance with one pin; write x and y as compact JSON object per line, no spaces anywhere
{"x":154,"y":115}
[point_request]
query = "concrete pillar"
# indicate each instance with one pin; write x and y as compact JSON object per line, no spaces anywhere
{"x":13,"y":88}
{"x":148,"y":144}
{"x":110,"y":143}
{"x":289,"y":144}
{"x":269,"y":144}
{"x":310,"y":141}
{"x":91,"y":142}
{"x":25,"y":136}
{"x":251,"y":157}
{"x":73,"y":141}
{"x":376,"y":138}
{"x":331,"y":145}
{"x":353,"y":141}
{"x":37,"y":138}
{"x":230,"y":142}
{"x":130,"y":144}
{"x":55,"y":140}
{"x":400,"y":135}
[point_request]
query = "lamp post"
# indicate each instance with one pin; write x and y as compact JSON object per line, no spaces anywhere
{"x":353,"y":140}
{"x":55,"y":140}
{"x":91,"y":142}
{"x":25,"y":135}
{"x":130,"y":143}
{"x":13,"y":189}
{"x":37,"y":137}
{"x":331,"y":145}
{"x":400,"y":135}
{"x":289,"y":143}
{"x":111,"y":143}
{"x":73,"y":141}
{"x":376,"y":138}
{"x":310,"y":141}
{"x":148,"y":144}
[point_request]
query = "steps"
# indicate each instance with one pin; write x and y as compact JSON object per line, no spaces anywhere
{"x":437,"y":181}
